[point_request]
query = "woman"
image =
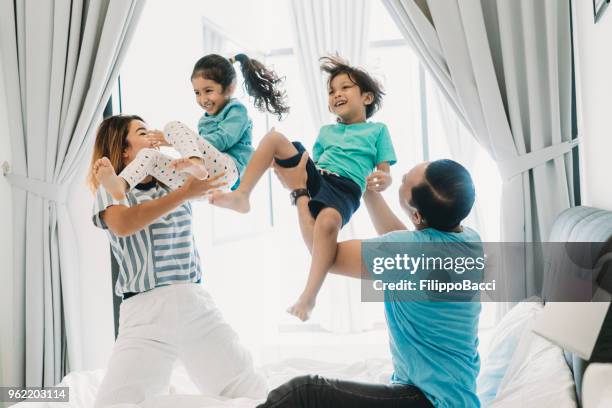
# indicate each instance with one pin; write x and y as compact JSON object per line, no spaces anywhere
{"x":433,"y":343}
{"x":165,"y":314}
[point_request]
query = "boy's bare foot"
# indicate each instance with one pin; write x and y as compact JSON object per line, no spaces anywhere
{"x":190,"y":165}
{"x":106,"y":176}
{"x":302,"y":308}
{"x":234,"y":200}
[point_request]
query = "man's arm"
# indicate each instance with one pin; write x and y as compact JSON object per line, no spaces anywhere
{"x":382,"y":217}
{"x":124,"y":221}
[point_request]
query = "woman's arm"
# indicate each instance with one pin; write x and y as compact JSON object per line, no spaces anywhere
{"x":124,"y":221}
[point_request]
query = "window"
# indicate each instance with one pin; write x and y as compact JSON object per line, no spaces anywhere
{"x":255,"y":265}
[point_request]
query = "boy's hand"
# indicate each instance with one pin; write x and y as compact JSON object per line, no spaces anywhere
{"x":156,"y":138}
{"x":378,"y":181}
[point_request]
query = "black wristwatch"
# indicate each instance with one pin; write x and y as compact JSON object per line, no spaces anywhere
{"x":295,"y":194}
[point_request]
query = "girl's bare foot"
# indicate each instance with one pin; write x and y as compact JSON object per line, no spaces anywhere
{"x":190,"y":165}
{"x":302,"y":308}
{"x":234,"y":200}
{"x":106,"y":176}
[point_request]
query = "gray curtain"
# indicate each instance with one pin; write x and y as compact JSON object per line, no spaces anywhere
{"x":505,"y":68}
{"x":61,"y":60}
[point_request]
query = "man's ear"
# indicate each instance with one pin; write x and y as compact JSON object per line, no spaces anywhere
{"x":417,"y":217}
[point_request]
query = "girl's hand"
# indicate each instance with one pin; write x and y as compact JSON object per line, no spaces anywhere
{"x":194,"y":188}
{"x":156,"y":138}
{"x":378,"y":181}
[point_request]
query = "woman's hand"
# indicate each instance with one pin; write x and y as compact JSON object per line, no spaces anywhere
{"x":378,"y":181}
{"x":194,"y":188}
{"x":156,"y":138}
{"x":293,"y":178}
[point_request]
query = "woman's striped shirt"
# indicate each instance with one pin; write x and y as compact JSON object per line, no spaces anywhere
{"x":162,"y":253}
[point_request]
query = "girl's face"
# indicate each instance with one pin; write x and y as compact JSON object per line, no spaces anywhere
{"x":136,"y":140}
{"x":346,"y":99}
{"x":210,"y":94}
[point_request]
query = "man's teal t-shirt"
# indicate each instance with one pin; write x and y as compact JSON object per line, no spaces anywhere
{"x":353,"y":151}
{"x":434,"y":345}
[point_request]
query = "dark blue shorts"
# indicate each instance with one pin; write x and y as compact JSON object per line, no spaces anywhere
{"x":326,"y":190}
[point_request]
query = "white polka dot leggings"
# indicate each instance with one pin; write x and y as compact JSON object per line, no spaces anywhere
{"x":152,"y":162}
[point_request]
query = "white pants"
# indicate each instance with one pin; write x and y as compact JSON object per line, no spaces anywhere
{"x":152,"y":162}
{"x":173,"y":322}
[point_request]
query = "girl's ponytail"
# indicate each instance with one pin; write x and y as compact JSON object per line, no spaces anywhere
{"x":261,"y":83}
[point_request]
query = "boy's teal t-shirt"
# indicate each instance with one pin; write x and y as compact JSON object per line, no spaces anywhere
{"x":434,"y":345}
{"x":353,"y":151}
{"x":230,"y":132}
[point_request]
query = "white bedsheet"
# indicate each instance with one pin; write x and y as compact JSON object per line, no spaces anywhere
{"x":183,"y":394}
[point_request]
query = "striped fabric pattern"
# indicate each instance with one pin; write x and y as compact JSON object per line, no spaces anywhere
{"x":161,"y":254}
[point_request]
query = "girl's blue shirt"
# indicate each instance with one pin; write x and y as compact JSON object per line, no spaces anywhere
{"x":230,"y":132}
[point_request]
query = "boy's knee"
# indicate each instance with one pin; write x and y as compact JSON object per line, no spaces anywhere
{"x":275,"y":135}
{"x":329,"y":219}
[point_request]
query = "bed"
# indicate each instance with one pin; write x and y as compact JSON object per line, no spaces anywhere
{"x":518,"y":368}
{"x":184,"y":394}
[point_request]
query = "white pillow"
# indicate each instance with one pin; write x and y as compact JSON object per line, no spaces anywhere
{"x":538,"y":376}
{"x":503,"y":343}
{"x":597,"y":386}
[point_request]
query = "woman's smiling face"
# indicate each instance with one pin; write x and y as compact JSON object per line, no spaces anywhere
{"x":136,"y":140}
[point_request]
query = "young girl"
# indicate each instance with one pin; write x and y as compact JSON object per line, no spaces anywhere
{"x":344,"y":155}
{"x":225,"y":128}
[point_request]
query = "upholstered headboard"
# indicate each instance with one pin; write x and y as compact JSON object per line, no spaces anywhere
{"x":583,"y":224}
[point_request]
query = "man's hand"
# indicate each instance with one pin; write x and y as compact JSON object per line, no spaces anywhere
{"x":293,"y":178}
{"x":194,"y":188}
{"x":378,"y":181}
{"x":156,"y":138}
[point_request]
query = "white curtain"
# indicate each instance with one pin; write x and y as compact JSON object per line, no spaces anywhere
{"x":461,"y":144}
{"x":324,"y":27}
{"x":61,"y":60}
{"x":213,"y":40}
{"x":505,"y":68}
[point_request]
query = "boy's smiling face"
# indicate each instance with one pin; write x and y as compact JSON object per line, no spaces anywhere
{"x":210,"y":94}
{"x":346,"y":99}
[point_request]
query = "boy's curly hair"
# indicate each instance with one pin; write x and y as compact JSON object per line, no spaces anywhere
{"x":334,"y":65}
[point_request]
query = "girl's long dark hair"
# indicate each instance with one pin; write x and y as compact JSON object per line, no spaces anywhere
{"x":260,"y":82}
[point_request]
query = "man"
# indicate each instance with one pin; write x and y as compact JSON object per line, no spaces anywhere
{"x":433,"y":344}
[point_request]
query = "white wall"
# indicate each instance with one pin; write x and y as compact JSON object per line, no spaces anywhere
{"x":593,"y":43}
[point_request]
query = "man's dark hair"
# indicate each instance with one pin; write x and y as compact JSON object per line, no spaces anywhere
{"x":446,"y":196}
{"x":334,"y":66}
